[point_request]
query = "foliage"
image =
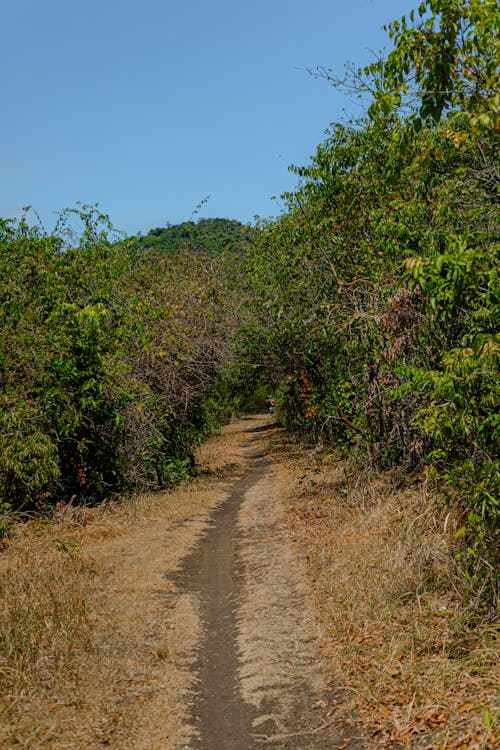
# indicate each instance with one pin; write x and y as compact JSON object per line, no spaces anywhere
{"x":378,"y":290}
{"x":205,"y":236}
{"x":370,"y":306}
{"x":110,"y":358}
{"x":446,"y":57}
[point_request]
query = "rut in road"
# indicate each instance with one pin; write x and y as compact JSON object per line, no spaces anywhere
{"x":259,"y":678}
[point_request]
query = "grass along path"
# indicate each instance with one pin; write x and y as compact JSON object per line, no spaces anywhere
{"x":103,"y":632}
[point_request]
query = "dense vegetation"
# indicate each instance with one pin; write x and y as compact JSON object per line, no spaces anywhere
{"x":205,"y":235}
{"x":375,"y":318}
{"x":109,"y":358}
{"x":378,"y":286}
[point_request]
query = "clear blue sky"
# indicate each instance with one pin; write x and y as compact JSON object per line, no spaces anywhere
{"x":148,"y":107}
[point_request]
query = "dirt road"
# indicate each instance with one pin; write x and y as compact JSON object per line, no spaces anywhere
{"x":195,"y":631}
{"x":218,"y":615}
{"x":259,"y":678}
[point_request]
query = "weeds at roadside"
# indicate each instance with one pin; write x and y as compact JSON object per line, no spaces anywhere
{"x":380,"y":563}
{"x":44,"y":628}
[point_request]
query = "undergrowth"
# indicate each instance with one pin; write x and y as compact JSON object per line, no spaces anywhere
{"x":44,"y":631}
{"x":419,"y":670}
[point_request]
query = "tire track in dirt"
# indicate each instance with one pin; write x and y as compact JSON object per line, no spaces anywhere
{"x":259,"y":678}
{"x":213,"y":575}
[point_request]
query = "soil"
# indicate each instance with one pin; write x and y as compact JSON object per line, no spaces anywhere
{"x":227,"y":613}
{"x":259,"y":677}
{"x":202,"y":634}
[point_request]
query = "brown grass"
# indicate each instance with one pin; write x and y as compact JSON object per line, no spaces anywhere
{"x":44,"y":631}
{"x":96,"y":643}
{"x":380,"y":567}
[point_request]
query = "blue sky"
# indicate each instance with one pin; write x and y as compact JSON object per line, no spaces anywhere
{"x":149,"y":107}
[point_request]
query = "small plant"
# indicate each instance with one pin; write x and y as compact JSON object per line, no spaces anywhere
{"x":66,"y":547}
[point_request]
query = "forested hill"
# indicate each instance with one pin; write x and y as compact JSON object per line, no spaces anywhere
{"x":205,"y":235}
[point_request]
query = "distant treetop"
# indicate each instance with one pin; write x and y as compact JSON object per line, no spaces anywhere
{"x":205,"y":236}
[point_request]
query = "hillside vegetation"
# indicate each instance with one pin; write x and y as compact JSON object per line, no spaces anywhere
{"x":370,"y":310}
{"x":109,"y":358}
{"x":370,"y":305}
{"x":203,"y":236}
{"x":378,"y":287}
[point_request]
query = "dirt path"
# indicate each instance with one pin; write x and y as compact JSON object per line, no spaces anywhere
{"x":197,"y":632}
{"x":260,"y":681}
{"x":213,"y":576}
{"x":203,"y":617}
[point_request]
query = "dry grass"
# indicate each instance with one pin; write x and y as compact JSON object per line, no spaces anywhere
{"x":96,"y":643}
{"x":44,"y":633}
{"x":380,"y":567}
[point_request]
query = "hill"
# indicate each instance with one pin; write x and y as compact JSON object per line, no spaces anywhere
{"x":206,"y":235}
